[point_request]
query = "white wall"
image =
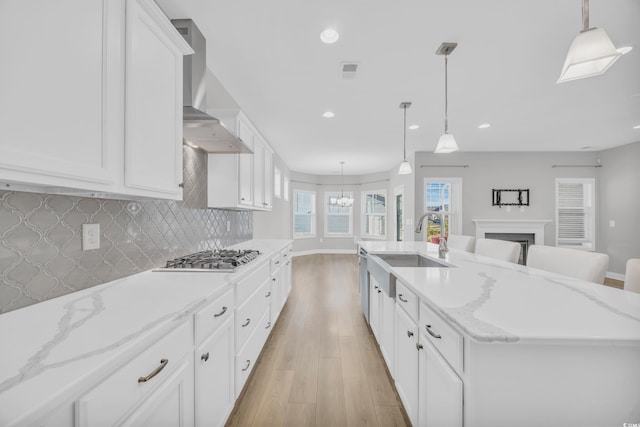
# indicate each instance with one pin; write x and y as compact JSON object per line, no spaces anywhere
{"x":501,"y":170}
{"x":619,"y":201}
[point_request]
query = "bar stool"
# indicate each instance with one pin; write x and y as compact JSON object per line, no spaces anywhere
{"x":632,"y":276}
{"x":499,"y":249}
{"x":464,"y":243}
{"x":589,"y":266}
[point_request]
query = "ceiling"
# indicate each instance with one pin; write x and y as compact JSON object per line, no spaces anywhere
{"x":269,"y":57}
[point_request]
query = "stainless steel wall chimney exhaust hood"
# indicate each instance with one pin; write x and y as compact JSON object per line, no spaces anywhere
{"x":200,"y":128}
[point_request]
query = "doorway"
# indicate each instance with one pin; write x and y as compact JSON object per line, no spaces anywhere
{"x":399,"y":203}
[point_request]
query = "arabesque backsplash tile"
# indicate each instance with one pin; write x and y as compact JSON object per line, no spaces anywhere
{"x":41,"y":253}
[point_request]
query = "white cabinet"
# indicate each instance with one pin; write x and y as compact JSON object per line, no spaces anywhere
{"x":214,"y":377}
{"x":382,"y":320}
{"x":153,"y":107}
{"x":109,"y":98}
{"x":406,"y":372}
{"x":374,"y":307}
{"x":157,"y":381}
{"x":440,"y":389}
{"x":241,"y":181}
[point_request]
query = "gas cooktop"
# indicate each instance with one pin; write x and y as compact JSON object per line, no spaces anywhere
{"x":223,"y":260}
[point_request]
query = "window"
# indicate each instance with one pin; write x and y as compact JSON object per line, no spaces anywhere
{"x":304,"y":214}
{"x":276,"y":181}
{"x":374,"y":208}
{"x":443,"y":195}
{"x":338,"y":220}
{"x":285,"y":188}
{"x":575,"y":213}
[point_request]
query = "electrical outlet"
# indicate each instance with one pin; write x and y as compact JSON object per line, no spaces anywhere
{"x":90,"y":236}
{"x":612,"y":223}
{"x":228,"y":226}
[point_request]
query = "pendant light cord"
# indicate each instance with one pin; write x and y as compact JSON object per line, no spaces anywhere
{"x":446,"y":96}
{"x":585,"y":15}
{"x":405,"y":133}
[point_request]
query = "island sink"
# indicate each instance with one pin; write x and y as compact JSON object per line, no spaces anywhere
{"x":410,"y":260}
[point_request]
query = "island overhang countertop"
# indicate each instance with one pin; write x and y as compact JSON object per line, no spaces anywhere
{"x":495,"y":301}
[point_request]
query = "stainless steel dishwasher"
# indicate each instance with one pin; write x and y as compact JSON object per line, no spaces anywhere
{"x":364,"y":282}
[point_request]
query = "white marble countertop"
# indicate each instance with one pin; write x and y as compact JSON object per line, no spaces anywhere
{"x":50,"y":348}
{"x":495,"y":301}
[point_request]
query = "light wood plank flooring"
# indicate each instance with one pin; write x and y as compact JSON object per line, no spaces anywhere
{"x":321,"y":365}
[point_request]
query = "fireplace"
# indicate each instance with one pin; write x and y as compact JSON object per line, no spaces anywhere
{"x":524,"y":239}
{"x":527,"y":232}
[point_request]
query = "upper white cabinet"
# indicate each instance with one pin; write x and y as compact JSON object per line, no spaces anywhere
{"x":85,"y":105}
{"x":241,"y":181}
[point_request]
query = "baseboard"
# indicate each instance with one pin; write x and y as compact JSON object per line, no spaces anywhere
{"x":325,"y":251}
{"x":615,"y":276}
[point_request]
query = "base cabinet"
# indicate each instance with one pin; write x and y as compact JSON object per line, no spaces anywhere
{"x":214,"y":380}
{"x":406,"y":372}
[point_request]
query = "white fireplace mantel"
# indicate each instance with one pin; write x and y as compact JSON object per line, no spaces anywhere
{"x":525,"y":226}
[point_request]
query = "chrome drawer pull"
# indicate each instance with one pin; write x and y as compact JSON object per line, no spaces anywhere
{"x":419,"y":347}
{"x":428,"y":327}
{"x":379,"y":291}
{"x":277,"y":262}
{"x":247,"y":367}
{"x":268,"y":295}
{"x":205,"y":356}
{"x":224,"y":310}
{"x":401,"y":299}
{"x":163,"y":363}
{"x":409,"y":334}
{"x":246,"y":324}
{"x":375,"y":286}
{"x":273,"y":280}
{"x":268,"y":325}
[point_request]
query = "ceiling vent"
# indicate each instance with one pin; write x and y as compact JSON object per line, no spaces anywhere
{"x":349,"y":70}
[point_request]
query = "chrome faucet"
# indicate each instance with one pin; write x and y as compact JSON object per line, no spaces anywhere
{"x":442,"y":247}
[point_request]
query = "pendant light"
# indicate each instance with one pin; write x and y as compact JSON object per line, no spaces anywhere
{"x":342,"y":201}
{"x":405,"y":166}
{"x":591,"y":52}
{"x":446,"y":143}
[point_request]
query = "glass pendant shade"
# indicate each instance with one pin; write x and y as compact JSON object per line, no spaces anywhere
{"x":591,"y":53}
{"x":446,"y":144}
{"x":405,"y":168}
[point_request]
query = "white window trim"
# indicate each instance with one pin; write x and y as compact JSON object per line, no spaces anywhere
{"x":455,"y":218}
{"x":277,"y":182}
{"x":399,"y":190}
{"x":314,"y":214}
{"x":363,"y":205}
{"x":591,"y":225}
{"x":285,"y":188}
{"x":326,"y":215}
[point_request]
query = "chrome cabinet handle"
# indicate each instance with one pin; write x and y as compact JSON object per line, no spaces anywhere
{"x":268,"y":295}
{"x":436,"y":336}
{"x":181,"y":185}
{"x":268,"y":325}
{"x":205,"y":356}
{"x":409,"y":334}
{"x":379,"y":291}
{"x":224,"y":310}
{"x":277,"y":262}
{"x":401,"y":299}
{"x":247,"y":367}
{"x":289,"y":263}
{"x":375,"y":286}
{"x":163,"y":364}
{"x":246,"y":324}
{"x":273,"y":280}
{"x":419,"y":347}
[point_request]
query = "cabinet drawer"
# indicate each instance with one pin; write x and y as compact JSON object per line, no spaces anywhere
{"x":407,"y":300}
{"x":213,"y":315}
{"x":249,"y":313}
{"x":248,"y":355}
{"x":443,"y":337}
{"x":113,"y":398}
{"x":285,"y":255}
{"x":247,"y":286}
{"x":275,"y":262}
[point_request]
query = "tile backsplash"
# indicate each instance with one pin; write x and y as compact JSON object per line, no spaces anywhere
{"x":41,"y":253}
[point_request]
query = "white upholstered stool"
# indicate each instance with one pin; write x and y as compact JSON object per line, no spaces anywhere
{"x":632,"y":276}
{"x":590,"y":266}
{"x":499,"y":249}
{"x":464,"y":243}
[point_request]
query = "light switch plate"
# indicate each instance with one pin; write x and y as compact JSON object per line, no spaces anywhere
{"x":612,"y":223}
{"x":90,"y":236}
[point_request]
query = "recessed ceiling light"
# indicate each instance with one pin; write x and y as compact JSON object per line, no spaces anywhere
{"x":413,"y":127}
{"x":328,"y":114}
{"x":484,"y":126}
{"x":637,"y":127}
{"x":329,"y":36}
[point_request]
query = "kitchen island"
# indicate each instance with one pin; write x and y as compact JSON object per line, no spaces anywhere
{"x":500,"y":344}
{"x":62,"y":360}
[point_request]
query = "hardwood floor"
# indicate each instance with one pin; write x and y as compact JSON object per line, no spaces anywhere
{"x":321,"y":365}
